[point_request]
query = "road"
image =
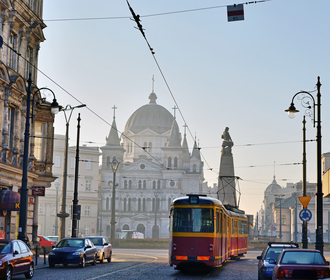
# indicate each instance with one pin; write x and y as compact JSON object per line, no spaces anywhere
{"x":141,"y":264}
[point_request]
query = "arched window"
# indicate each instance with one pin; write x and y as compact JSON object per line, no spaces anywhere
{"x":145,"y":146}
{"x":194,"y":168}
{"x":143,"y":204}
{"x":125,"y":227}
{"x":130,"y":184}
{"x":158,"y":184}
{"x":139,"y":205}
{"x":158,"y":204}
{"x":150,"y":146}
{"x":144,"y":184}
{"x":125,"y":184}
{"x":154,"y":184}
{"x":175,"y":162}
{"x":107,"y":203}
{"x":169,"y":162}
{"x":129,"y":205}
{"x":169,"y":202}
{"x":140,"y":184}
{"x":124,"y":208}
{"x":141,"y":228}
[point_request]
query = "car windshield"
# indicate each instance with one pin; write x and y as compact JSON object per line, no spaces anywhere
{"x":52,"y":238}
{"x":193,"y":220}
{"x":5,"y":247}
{"x":76,"y":243}
{"x":273,"y":253}
{"x":303,"y":258}
{"x":46,"y":238}
{"x":97,"y":241}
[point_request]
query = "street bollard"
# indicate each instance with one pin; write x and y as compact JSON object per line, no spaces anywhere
{"x":36,"y":255}
{"x":44,"y":255}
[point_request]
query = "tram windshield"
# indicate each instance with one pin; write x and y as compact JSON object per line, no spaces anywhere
{"x":193,"y":220}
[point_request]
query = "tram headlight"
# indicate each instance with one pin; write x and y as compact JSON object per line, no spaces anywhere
{"x":211,"y":247}
{"x":174,"y":247}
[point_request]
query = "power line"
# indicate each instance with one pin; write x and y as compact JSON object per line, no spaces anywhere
{"x":152,"y":15}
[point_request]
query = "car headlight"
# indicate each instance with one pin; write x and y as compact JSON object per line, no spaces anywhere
{"x":81,"y":254}
{"x":267,"y":268}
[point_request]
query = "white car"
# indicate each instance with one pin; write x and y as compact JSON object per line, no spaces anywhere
{"x":104,"y":248}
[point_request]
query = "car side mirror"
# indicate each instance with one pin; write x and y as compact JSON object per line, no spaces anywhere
{"x":272,"y":261}
{"x":259,"y":258}
{"x":88,"y":247}
{"x":105,"y":244}
{"x":328,"y":263}
{"x":15,"y":252}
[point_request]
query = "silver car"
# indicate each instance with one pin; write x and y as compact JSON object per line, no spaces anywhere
{"x":104,"y":248}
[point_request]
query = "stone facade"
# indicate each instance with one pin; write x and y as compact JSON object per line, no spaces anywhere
{"x":87,"y":191}
{"x":21,"y":28}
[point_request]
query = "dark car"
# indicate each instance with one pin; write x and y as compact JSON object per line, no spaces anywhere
{"x":103,"y":246}
{"x":73,"y":251}
{"x":301,"y":264}
{"x":15,"y":258}
{"x":272,"y":251}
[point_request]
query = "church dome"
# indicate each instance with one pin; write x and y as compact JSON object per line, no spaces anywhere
{"x":273,"y":188}
{"x":152,"y":116}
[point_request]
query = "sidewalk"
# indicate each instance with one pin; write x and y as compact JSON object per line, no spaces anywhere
{"x":40,"y":262}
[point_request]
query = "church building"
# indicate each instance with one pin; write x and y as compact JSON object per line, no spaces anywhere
{"x":155,"y":166}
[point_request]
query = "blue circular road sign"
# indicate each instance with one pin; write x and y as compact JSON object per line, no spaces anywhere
{"x":305,"y":215}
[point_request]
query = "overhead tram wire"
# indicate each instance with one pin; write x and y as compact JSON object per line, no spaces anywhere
{"x":93,"y":112}
{"x":153,"y":15}
{"x":137,"y":19}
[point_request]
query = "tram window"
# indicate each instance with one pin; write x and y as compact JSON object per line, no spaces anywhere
{"x":193,"y":220}
{"x":217,"y":221}
{"x":220,"y":222}
{"x":234,"y":227}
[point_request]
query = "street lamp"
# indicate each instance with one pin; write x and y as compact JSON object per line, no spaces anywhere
{"x":280,"y":196}
{"x":114,"y":165}
{"x":24,"y":189}
{"x":305,"y":102}
{"x":62,"y":215}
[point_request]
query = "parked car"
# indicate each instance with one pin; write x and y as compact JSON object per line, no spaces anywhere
{"x":45,"y":241}
{"x":53,"y":238}
{"x":301,"y":264}
{"x":272,"y":251}
{"x":103,"y":246}
{"x":73,"y":251}
{"x":15,"y":258}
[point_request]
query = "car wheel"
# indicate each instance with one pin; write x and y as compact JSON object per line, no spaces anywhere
{"x":109,"y":259}
{"x":8,"y":273}
{"x":94,"y":261}
{"x":30,"y":273}
{"x":83,"y":262}
{"x":102,"y":258}
{"x":51,"y":265}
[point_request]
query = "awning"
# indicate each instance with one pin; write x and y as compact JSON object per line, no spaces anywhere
{"x":9,"y":200}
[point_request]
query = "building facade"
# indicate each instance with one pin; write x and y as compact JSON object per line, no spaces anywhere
{"x":21,"y":28}
{"x":155,"y":167}
{"x":49,"y":205}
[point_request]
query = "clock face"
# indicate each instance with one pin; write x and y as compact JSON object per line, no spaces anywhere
{"x":172,"y":183}
{"x":142,"y":166}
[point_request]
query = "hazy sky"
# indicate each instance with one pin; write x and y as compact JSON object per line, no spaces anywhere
{"x":240,"y":75}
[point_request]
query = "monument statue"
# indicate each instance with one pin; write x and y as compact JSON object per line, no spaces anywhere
{"x":227,"y":141}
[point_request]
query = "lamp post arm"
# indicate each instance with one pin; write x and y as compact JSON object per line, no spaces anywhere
{"x":312,"y":97}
